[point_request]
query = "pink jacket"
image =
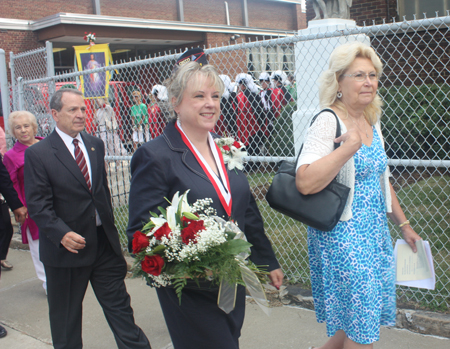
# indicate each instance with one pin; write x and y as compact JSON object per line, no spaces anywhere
{"x":14,"y":160}
{"x":2,"y":142}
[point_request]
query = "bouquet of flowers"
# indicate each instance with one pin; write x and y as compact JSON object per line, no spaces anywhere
{"x":191,"y":242}
{"x":89,"y":37}
{"x":233,"y":152}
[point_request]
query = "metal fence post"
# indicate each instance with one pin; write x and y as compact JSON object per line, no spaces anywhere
{"x":4,"y":88}
{"x":13,"y":80}
{"x":50,"y":73}
{"x":50,"y":66}
{"x":21,"y":97}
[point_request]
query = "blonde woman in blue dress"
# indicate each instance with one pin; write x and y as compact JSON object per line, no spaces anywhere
{"x":352,"y":267}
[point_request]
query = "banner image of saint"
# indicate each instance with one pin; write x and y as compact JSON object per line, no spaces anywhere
{"x":93,"y":84}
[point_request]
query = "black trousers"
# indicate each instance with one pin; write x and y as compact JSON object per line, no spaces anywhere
{"x":66,"y":288}
{"x":6,"y":231}
{"x":198,"y":323}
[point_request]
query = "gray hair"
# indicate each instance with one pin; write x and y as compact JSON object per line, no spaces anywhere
{"x":56,"y":103}
{"x":340,"y":60}
{"x":14,"y":115}
{"x":177,"y":84}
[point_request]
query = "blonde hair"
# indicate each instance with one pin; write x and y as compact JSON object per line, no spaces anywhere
{"x":190,"y":73}
{"x":14,"y":115}
{"x":340,"y":60}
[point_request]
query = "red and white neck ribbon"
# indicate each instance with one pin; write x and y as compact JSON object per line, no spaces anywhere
{"x":222,"y":188}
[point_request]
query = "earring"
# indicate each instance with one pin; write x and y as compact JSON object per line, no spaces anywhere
{"x":339,"y":94}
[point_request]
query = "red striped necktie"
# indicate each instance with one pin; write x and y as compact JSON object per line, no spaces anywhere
{"x":81,"y":162}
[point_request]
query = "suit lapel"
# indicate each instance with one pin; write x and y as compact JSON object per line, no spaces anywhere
{"x":65,"y":157}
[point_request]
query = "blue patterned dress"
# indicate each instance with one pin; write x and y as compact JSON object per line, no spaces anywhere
{"x":352,"y":267}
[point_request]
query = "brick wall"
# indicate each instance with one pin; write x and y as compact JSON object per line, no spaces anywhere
{"x":232,"y":62}
{"x":408,"y":56}
{"x":262,"y":14}
{"x":17,"y":41}
{"x":36,"y":9}
{"x":148,"y":9}
{"x":271,"y":14}
{"x":365,"y":10}
{"x":213,"y":12}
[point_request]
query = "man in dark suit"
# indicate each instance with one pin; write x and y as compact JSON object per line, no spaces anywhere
{"x":68,"y":197}
{"x":6,"y":230}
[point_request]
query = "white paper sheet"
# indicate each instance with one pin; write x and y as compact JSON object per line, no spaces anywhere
{"x":414,"y":269}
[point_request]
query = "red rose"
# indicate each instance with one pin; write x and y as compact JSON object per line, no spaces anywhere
{"x":189,"y":233}
{"x":186,"y":221}
{"x":237,"y":144}
{"x":226,"y":148}
{"x":153,"y":264}
{"x":140,"y":242}
{"x":164,"y":230}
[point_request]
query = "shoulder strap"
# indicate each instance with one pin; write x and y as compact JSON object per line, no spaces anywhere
{"x":338,"y":128}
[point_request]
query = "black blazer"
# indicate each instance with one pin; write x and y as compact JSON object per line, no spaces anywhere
{"x":59,"y":200}
{"x":165,"y":165}
{"x":8,"y":192}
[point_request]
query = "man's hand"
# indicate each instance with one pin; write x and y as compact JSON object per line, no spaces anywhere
{"x":20,"y":214}
{"x":73,"y":242}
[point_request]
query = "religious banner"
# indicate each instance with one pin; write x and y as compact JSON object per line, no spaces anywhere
{"x":88,"y":57}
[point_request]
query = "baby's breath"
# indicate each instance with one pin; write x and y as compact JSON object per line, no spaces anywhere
{"x":188,"y":253}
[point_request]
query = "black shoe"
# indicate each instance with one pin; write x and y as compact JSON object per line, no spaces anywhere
{"x":3,"y":332}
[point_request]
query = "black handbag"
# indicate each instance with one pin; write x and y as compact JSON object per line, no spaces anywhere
{"x":321,"y":210}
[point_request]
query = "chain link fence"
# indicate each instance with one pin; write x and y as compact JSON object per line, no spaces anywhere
{"x":272,"y":123}
{"x":31,"y":65}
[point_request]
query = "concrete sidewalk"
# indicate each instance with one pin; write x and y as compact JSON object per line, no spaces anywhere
{"x":24,"y":313}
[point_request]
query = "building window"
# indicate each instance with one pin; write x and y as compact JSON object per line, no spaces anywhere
{"x":409,"y":8}
{"x":270,"y":59}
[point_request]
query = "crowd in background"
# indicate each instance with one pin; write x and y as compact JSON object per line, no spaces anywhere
{"x":248,"y":113}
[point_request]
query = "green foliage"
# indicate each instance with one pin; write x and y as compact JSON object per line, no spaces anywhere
{"x":415,"y":121}
{"x":428,"y":208}
{"x":121,"y":222}
{"x":425,"y":203}
{"x":282,"y":138}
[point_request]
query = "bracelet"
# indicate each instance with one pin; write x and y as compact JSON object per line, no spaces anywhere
{"x":404,"y":223}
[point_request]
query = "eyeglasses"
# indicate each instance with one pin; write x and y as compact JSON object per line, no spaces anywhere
{"x":360,"y":76}
{"x":262,"y":80}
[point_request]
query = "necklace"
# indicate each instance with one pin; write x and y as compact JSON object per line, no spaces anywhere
{"x":365,"y":126}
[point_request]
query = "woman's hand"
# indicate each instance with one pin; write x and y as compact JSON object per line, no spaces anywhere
{"x":410,"y":236}
{"x":351,"y":138}
{"x":276,"y":277}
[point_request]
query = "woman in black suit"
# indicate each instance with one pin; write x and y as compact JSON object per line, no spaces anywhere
{"x":184,"y":157}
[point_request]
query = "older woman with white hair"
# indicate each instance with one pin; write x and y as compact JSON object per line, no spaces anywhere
{"x":24,"y":127}
{"x":352,"y":266}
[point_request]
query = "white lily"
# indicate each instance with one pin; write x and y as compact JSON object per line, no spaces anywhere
{"x":171,"y":217}
{"x":184,"y":203}
{"x":176,"y":199}
{"x":158,"y":222}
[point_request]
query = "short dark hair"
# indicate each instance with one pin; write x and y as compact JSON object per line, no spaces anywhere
{"x":55,"y":101}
